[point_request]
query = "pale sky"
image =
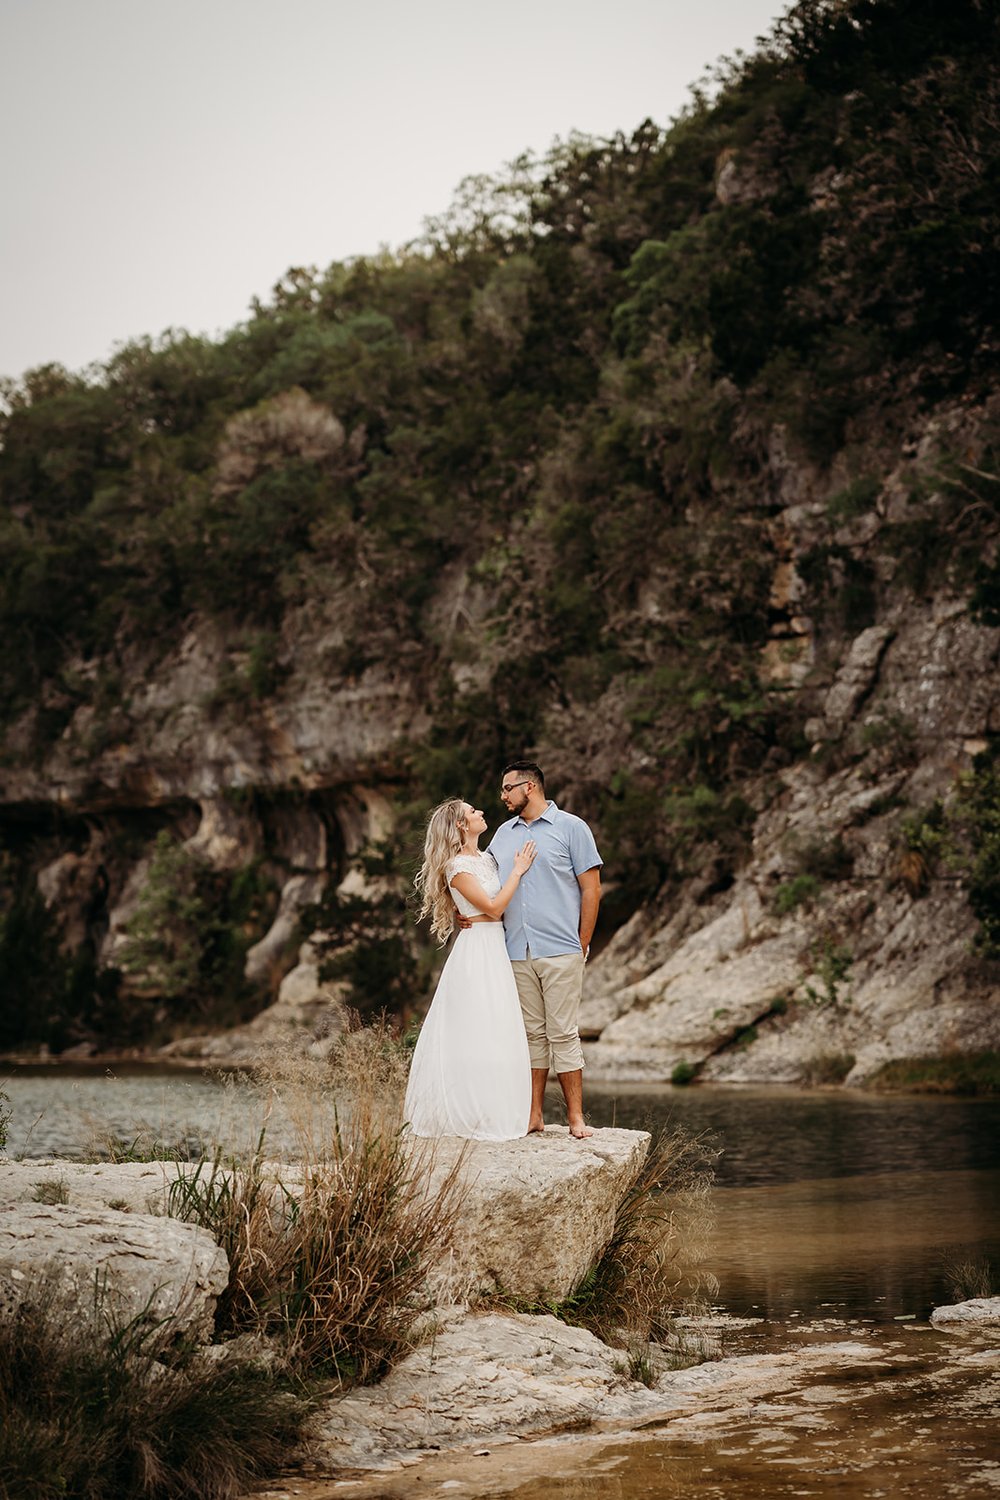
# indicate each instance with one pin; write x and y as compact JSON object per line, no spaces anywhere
{"x":166,"y":160}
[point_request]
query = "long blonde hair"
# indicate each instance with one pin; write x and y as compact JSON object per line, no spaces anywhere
{"x":444,"y":839}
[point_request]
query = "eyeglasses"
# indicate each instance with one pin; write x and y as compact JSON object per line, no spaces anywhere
{"x":513,"y":787}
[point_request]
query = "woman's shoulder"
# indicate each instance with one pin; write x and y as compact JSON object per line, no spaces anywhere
{"x":467,"y":864}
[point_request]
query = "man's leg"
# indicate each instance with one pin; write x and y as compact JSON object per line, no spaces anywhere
{"x":572,"y":1087}
{"x":562,"y":986}
{"x":529,"y":992}
{"x":539,"y":1078}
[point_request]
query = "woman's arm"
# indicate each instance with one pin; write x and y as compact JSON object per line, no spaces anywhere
{"x":495,"y":906}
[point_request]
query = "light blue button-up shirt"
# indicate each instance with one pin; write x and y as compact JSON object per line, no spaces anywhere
{"x":544,"y":912}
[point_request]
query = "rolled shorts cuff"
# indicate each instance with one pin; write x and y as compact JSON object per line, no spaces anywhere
{"x":549,"y":990}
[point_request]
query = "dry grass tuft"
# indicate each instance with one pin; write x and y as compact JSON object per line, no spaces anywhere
{"x":651,"y":1268}
{"x":330,"y":1258}
{"x":970,"y":1277}
{"x":130,"y":1414}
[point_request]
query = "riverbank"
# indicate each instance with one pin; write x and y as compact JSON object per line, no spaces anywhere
{"x":834,"y":1217}
{"x":838,"y":1409}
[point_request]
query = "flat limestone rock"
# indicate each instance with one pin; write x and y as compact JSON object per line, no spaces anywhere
{"x":481,"y":1375}
{"x":131,"y":1187}
{"x":533,"y":1216}
{"x":148,"y":1265}
{"x":494,"y":1378}
{"x":536,"y":1212}
{"x":979,"y":1314}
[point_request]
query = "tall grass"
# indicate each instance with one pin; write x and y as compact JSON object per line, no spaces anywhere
{"x":329,"y":1258}
{"x":129,"y":1415}
{"x":968,"y":1277}
{"x":650,"y":1269}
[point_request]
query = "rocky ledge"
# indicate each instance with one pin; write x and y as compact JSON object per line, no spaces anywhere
{"x":535,"y":1214}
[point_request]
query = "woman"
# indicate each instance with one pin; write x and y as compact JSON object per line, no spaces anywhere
{"x":470,"y":1074}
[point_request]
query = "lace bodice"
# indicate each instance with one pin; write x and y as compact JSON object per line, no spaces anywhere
{"x":483,"y":868}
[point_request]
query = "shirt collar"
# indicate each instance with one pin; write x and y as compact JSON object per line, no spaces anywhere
{"x":548,"y":816}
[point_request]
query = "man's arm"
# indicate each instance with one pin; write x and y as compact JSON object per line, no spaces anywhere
{"x":590,"y":899}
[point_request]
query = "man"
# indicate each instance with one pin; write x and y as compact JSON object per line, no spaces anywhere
{"x":548,"y":926}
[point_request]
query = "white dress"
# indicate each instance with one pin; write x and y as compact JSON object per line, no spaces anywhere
{"x":471,"y":1075}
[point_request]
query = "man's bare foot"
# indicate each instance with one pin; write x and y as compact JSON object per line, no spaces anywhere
{"x":536,"y":1125}
{"x":579,"y":1129}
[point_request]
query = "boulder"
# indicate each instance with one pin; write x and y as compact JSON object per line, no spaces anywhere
{"x":978,"y":1315}
{"x":536,"y":1212}
{"x":106,"y":1260}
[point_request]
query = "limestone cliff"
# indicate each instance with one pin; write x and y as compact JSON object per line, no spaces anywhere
{"x":671,"y":460}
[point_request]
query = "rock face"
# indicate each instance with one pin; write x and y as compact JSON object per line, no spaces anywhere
{"x":536,"y":1212}
{"x":155,"y":1267}
{"x":816,"y":958}
{"x":860,"y":969}
{"x":978,"y":1315}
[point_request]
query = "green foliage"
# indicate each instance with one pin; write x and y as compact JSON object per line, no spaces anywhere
{"x":827,"y":1067}
{"x":974,"y":818}
{"x":832,"y":963}
{"x":972,"y":1073}
{"x":961,"y":833}
{"x":187,"y":940}
{"x":893,"y":736}
{"x":801,"y":890}
{"x":684,"y":1073}
{"x":856,"y":498}
{"x":368,"y":943}
{"x":71,"y":998}
{"x":5,"y":1118}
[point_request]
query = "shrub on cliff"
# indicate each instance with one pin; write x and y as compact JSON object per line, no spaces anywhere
{"x":187,"y":939}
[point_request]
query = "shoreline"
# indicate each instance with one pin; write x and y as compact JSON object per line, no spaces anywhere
{"x":136,"y":1062}
{"x":829,"y":1397}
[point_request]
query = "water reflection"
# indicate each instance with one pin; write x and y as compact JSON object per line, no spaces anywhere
{"x":784,"y":1135}
{"x":843,"y":1203}
{"x":875,"y":1246}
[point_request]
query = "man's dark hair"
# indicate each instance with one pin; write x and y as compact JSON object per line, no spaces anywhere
{"x":527,"y":768}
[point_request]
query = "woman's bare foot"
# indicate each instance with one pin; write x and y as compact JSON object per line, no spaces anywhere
{"x":579,"y":1129}
{"x":536,"y":1125}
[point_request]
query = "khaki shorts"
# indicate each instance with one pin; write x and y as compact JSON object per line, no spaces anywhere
{"x":549,"y":990}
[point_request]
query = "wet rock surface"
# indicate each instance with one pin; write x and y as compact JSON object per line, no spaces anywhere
{"x":978,"y":1314}
{"x":830,"y":1409}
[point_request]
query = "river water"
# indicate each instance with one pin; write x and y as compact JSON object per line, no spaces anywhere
{"x":837,"y":1214}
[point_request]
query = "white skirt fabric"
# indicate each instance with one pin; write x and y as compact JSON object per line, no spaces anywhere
{"x":470,"y":1074}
